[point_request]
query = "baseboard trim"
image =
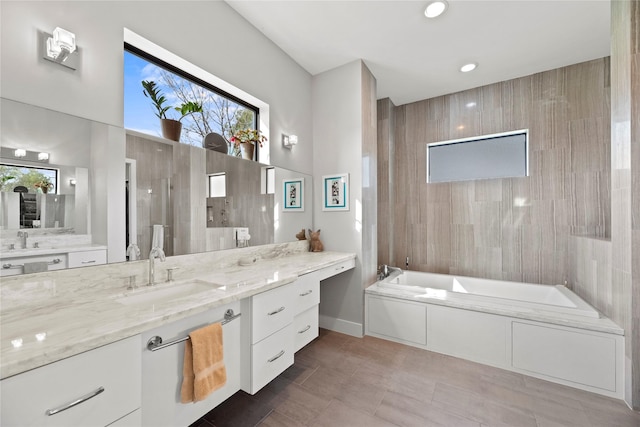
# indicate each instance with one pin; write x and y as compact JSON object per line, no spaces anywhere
{"x":343,"y":326}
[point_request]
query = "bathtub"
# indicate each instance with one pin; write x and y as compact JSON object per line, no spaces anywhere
{"x":543,"y":331}
{"x":541,"y":298}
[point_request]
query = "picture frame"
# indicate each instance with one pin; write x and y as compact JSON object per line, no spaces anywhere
{"x":293,"y":195}
{"x":335,"y":192}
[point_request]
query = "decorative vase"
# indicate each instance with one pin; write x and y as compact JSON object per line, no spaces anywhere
{"x":247,"y":149}
{"x":45,"y":190}
{"x":171,"y":129}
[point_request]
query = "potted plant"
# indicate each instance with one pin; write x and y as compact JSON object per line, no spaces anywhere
{"x":44,"y":185}
{"x":247,"y":139}
{"x":170,"y":128}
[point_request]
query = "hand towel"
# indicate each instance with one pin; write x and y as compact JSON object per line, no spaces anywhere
{"x":35,"y":267}
{"x":203,"y":370}
{"x":157,"y":240}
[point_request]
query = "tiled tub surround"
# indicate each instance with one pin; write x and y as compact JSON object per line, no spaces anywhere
{"x":513,"y":228}
{"x":559,"y":338}
{"x":76,"y":310}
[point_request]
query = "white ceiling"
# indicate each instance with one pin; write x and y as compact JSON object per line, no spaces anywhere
{"x":416,"y":58}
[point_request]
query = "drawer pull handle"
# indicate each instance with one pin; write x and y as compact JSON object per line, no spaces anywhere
{"x":276,"y":357}
{"x":306,"y":293}
{"x":76,"y":402}
{"x":89,"y":262}
{"x":276,"y":311}
{"x":305,"y":329}
{"x":340,"y":268}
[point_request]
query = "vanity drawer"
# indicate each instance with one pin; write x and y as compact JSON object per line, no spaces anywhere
{"x":271,"y":311}
{"x":305,"y":327}
{"x":27,"y":397}
{"x":87,"y":258}
{"x":270,"y":357}
{"x":327,"y":272}
{"x":307,"y":292}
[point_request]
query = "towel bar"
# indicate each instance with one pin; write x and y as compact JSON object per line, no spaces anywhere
{"x":155,"y":342}
{"x":52,"y":262}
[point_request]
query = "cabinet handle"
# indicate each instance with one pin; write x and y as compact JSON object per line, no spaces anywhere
{"x":88,"y":262}
{"x":276,"y":357}
{"x":306,"y":293}
{"x":276,"y":312}
{"x":76,"y":402}
{"x":305,"y":329}
{"x":339,"y":268}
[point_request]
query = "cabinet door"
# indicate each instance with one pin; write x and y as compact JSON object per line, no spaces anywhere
{"x":162,"y":370}
{"x":305,"y":327}
{"x":114,"y":369}
{"x":271,"y":311}
{"x":87,"y":258}
{"x":270,"y":357}
{"x":307,"y":293}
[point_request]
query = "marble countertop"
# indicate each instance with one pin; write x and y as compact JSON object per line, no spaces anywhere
{"x":41,"y":323}
{"x":18,"y":253}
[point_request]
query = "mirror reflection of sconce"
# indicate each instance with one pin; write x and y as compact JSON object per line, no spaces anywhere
{"x":60,"y":47}
{"x":288,"y":141}
{"x":22,"y":154}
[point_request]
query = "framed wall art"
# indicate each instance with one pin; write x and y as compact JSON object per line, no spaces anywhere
{"x":335,"y":192}
{"x":293,"y":195}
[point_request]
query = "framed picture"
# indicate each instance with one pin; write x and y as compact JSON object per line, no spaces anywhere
{"x":335,"y":191}
{"x":293,"y":197}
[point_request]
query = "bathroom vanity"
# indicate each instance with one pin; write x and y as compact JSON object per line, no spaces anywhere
{"x":93,"y":342}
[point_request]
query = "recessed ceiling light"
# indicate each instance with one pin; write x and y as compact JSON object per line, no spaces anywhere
{"x":468,"y":67}
{"x":435,"y":8}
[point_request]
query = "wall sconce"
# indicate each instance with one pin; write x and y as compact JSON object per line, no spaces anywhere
{"x":72,"y":181}
{"x":43,"y":157}
{"x":60,"y":47}
{"x":20,"y":152}
{"x":288,"y":141}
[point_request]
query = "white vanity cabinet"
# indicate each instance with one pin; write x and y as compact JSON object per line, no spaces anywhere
{"x":103,"y":383}
{"x":162,"y":369}
{"x":268,"y":336}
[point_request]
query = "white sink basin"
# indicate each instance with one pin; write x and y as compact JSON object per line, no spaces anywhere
{"x":165,"y":293}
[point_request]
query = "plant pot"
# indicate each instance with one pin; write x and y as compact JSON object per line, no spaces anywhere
{"x":247,"y":150}
{"x":45,"y":190}
{"x":171,"y":129}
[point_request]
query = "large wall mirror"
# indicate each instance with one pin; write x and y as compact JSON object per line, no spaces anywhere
{"x":163,"y":184}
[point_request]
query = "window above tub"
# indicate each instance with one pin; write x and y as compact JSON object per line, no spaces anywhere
{"x":501,"y":155}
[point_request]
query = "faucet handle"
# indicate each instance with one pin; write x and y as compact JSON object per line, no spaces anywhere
{"x":170,"y":273}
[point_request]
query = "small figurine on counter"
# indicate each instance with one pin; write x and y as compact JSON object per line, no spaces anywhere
{"x":301,"y":235}
{"x":315,"y":245}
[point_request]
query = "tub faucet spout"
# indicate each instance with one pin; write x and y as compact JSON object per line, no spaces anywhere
{"x":383,"y":272}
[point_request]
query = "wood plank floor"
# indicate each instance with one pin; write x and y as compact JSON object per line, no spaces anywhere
{"x":339,"y":380}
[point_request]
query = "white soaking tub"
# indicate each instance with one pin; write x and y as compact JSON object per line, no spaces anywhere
{"x":540,"y":330}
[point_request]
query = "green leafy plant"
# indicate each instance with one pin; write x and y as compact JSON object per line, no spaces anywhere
{"x":44,"y":183}
{"x":151,"y":91}
{"x":251,"y":136}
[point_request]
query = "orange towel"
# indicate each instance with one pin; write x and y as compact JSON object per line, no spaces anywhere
{"x":203,"y":370}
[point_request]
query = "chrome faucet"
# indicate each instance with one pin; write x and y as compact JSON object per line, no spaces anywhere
{"x":383,"y":272}
{"x":155,"y":253}
{"x":23,"y":239}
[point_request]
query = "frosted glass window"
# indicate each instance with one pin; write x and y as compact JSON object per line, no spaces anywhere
{"x":501,"y":155}
{"x":218,"y":185}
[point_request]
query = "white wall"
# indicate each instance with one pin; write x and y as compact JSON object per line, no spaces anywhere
{"x":209,"y":34}
{"x":337,"y":132}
